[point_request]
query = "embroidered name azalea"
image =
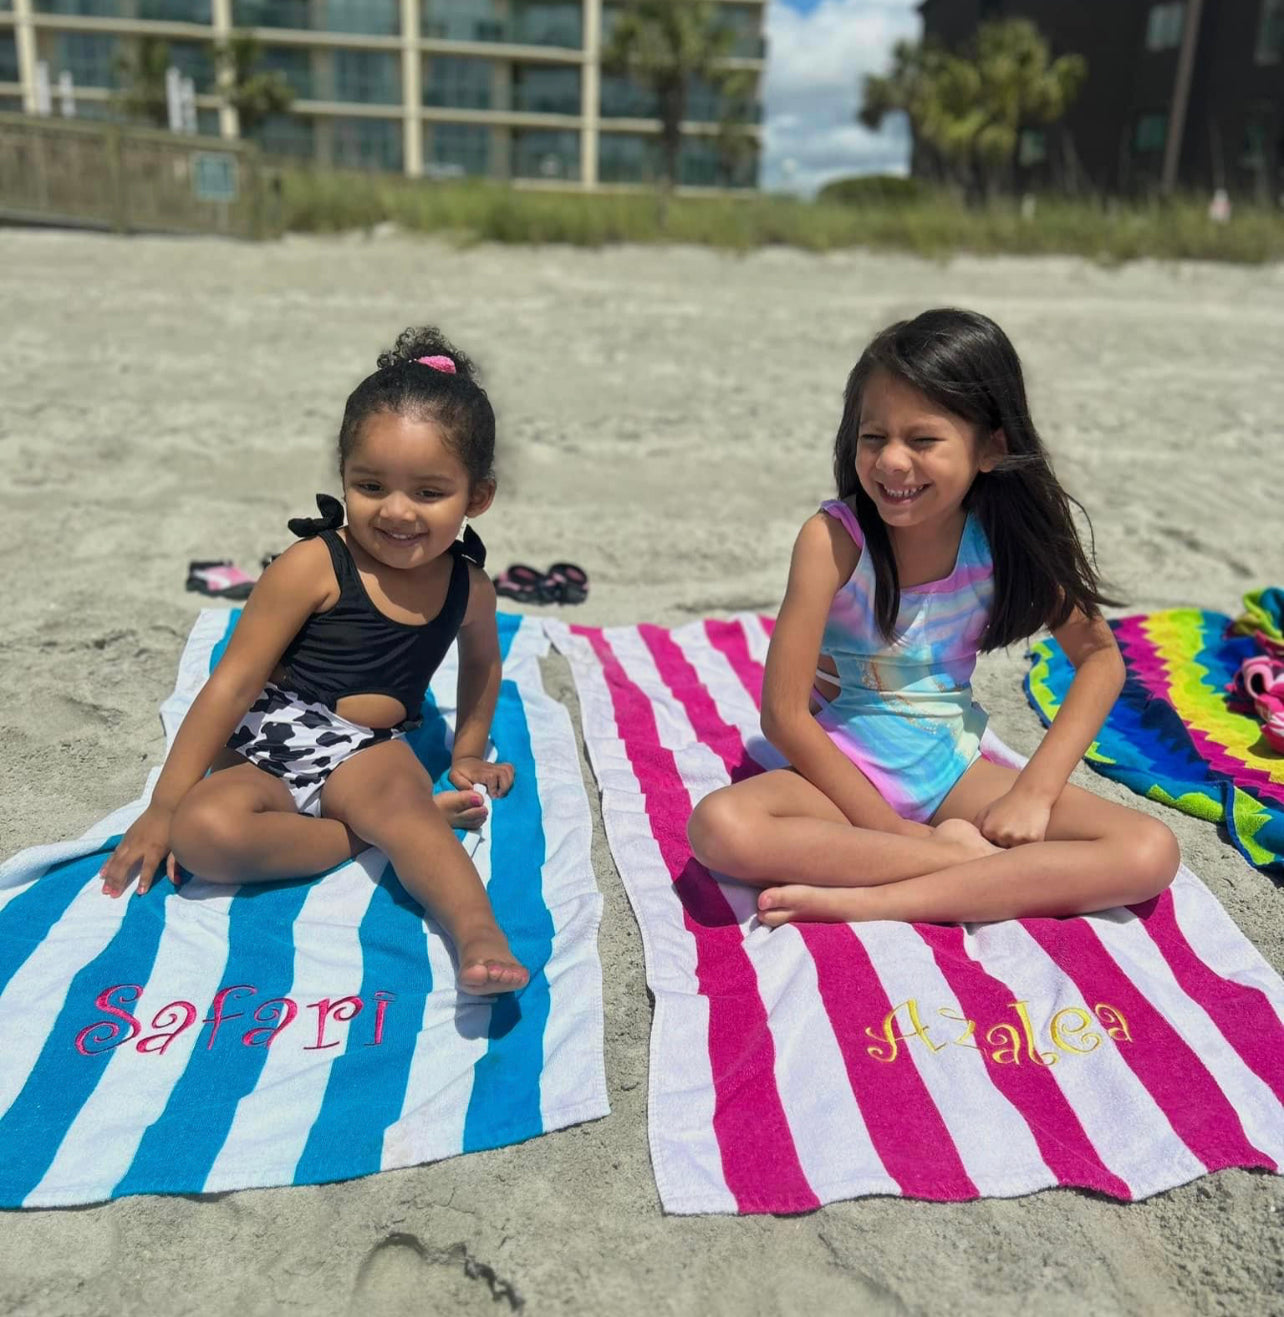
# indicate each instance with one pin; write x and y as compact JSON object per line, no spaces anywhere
{"x":270,"y":1019}
{"x":1004,"y":1043}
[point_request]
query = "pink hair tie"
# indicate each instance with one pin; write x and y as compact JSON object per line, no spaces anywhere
{"x":443,"y":364}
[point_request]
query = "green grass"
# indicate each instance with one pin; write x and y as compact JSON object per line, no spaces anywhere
{"x":315,"y":201}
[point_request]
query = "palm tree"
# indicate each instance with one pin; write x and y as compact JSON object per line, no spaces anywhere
{"x":142,"y":74}
{"x":661,"y":46}
{"x":968,"y":110}
{"x":255,"y":93}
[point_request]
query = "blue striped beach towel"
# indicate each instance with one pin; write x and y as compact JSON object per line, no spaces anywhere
{"x":217,"y":1038}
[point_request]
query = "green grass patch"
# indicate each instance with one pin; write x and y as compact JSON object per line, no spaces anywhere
{"x":932,"y":225}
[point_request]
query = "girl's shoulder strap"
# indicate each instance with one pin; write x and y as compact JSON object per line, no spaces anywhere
{"x":839,"y":510}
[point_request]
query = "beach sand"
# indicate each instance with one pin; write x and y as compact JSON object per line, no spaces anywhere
{"x":666,"y":420}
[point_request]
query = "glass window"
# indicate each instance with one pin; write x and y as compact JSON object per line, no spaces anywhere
{"x":90,"y":58}
{"x":543,"y":89}
{"x":380,"y":18}
{"x":544,"y":153}
{"x":626,"y":158}
{"x":1270,"y":35}
{"x":623,"y":99}
{"x":175,"y":11}
{"x":745,"y":23}
{"x":367,"y":143}
{"x":541,"y":23}
{"x":293,"y":64}
{"x":1163,"y":28}
{"x":369,"y":77}
{"x":458,"y":83}
{"x":462,"y":20}
{"x":88,"y":8}
{"x":272,"y":13}
{"x":8,"y":57}
{"x":195,"y":60}
{"x":459,"y":148}
{"x":1152,"y":132}
{"x":172,"y":11}
{"x":287,"y":135}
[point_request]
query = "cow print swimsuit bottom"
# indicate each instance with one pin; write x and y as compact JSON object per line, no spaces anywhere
{"x":302,"y":742}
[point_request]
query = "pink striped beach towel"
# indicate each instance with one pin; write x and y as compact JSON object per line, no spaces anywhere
{"x":1127,"y":1052}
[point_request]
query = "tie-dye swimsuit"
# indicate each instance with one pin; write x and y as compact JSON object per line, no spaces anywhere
{"x":904,"y":714}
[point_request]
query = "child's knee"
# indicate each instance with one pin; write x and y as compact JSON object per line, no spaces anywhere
{"x":715,"y":831}
{"x":205,"y":838}
{"x":1156,"y":856}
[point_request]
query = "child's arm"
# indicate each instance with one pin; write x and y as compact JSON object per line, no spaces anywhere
{"x":823,"y":560}
{"x":1022,"y":814}
{"x":478,"y":691}
{"x":293,"y":587}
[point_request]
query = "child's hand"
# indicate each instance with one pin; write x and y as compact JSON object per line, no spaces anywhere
{"x":142,"y":849}
{"x":1015,"y":819}
{"x":472,"y":771}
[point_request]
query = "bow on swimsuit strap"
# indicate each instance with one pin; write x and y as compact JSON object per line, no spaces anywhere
{"x":331,"y":518}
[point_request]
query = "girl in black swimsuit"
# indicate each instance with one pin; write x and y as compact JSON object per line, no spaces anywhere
{"x":301,"y":727}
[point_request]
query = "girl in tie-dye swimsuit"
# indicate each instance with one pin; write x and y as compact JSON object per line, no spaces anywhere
{"x":903,"y":711}
{"x":950,"y":536}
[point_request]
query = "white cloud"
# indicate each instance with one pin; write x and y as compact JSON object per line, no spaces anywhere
{"x":816,"y":63}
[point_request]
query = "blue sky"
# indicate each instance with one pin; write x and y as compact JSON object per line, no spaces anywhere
{"x":818,"y":52}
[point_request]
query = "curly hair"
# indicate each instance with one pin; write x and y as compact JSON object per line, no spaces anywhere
{"x":455,"y":402}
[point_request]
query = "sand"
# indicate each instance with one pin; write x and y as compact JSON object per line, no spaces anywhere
{"x":667,"y":420}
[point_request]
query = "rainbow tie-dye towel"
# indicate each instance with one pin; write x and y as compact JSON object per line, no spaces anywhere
{"x":1173,"y":736}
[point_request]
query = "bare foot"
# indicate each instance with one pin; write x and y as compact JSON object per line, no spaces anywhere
{"x":487,"y":966}
{"x":964,"y":840}
{"x":796,"y":902}
{"x":461,"y":809}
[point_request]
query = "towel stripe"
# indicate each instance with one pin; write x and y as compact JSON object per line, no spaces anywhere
{"x":1032,"y":1090}
{"x":392,"y":950}
{"x":843,"y":966}
{"x":907,"y":1129}
{"x":182,"y":1145}
{"x":34,"y":1125}
{"x":749,"y":1121}
{"x":1242,"y":1013}
{"x":135,"y":1086}
{"x":1173,"y":1074}
{"x":505,"y":1102}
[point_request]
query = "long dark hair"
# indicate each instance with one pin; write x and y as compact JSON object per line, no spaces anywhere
{"x":962,"y":361}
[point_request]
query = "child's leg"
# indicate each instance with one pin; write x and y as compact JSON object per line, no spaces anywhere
{"x":778,"y":824}
{"x":1096,"y":855}
{"x":240,"y":825}
{"x":384,"y":795}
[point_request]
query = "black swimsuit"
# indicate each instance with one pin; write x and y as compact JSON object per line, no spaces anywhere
{"x":291,"y":730}
{"x":354,"y":649}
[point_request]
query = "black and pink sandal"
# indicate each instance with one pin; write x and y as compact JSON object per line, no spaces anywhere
{"x":219,"y":579}
{"x":525,"y":584}
{"x":569,"y":581}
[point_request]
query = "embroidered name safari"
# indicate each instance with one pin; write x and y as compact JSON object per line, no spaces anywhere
{"x":268,"y":1020}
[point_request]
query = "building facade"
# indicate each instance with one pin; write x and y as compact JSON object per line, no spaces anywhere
{"x":509,"y":89}
{"x":1186,"y":94}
